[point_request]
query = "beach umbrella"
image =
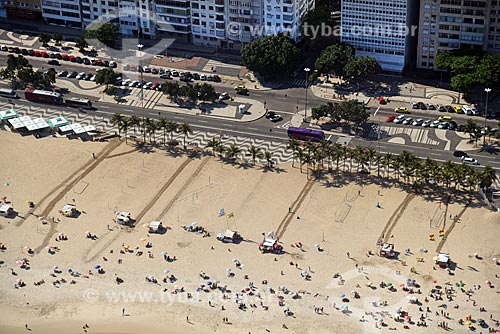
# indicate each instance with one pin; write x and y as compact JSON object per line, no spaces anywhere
{"x":164,"y":253}
{"x":435,"y":258}
{"x":247,"y":289}
{"x":209,"y":283}
{"x":142,"y":239}
{"x":234,"y":260}
{"x":18,"y":280}
{"x":286,"y":308}
{"x":342,"y":295}
{"x":194,"y":223}
{"x":468,"y":323}
{"x":97,"y":267}
{"x":303,"y":273}
{"x":402,"y":285}
{"x":59,"y":234}
{"x":345,"y":307}
{"x":369,"y":284}
{"x":166,"y":271}
{"x":316,"y":245}
{"x":220,"y":235}
{"x":388,"y":284}
{"x":494,"y":259}
{"x":202,"y":285}
{"x":217,"y":282}
{"x":228,"y":270}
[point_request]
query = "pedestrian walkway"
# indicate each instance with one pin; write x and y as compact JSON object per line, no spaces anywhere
{"x":414,"y":134}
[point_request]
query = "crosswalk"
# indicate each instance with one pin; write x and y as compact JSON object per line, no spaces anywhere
{"x":296,"y":83}
{"x":416,"y":135}
{"x":280,"y":153}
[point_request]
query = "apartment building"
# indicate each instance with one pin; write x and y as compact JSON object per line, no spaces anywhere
{"x":285,"y":16}
{"x":24,"y":9}
{"x":384,"y":30}
{"x":62,"y":12}
{"x":173,"y":19}
{"x":455,"y":24}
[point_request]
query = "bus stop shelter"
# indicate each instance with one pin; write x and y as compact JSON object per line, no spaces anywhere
{"x":8,"y":114}
{"x":57,"y":122}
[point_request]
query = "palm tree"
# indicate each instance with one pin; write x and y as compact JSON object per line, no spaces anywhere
{"x":370,"y":154}
{"x":487,"y":177}
{"x":220,"y":149}
{"x":134,"y":121}
{"x":268,"y":155}
{"x":185,"y":129}
{"x":293,"y":144}
{"x":149,"y":127}
{"x":162,"y":124}
{"x":124,"y":125}
{"x":378,"y":158}
{"x":171,"y":126}
{"x":299,"y":154}
{"x":213,"y":144}
{"x":232,"y":151}
{"x":307,"y":158}
{"x":255,"y":153}
{"x":116,"y":120}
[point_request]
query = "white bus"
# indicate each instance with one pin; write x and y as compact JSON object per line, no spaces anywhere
{"x":8,"y":93}
{"x":79,"y":103}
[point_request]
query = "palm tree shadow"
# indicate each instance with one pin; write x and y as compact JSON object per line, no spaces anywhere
{"x":244,"y":165}
{"x":143,"y":148}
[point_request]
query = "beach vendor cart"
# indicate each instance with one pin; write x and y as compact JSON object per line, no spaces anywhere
{"x":269,"y":245}
{"x":229,"y":237}
{"x":442,"y":260}
{"x":6,"y":210}
{"x":122,"y":218}
{"x":69,"y":210}
{"x":387,"y":250}
{"x":155,"y":227}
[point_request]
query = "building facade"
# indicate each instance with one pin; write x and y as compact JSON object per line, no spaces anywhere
{"x":62,"y":12}
{"x":456,"y":24}
{"x":384,"y":30}
{"x":173,"y":19}
{"x":24,"y":9}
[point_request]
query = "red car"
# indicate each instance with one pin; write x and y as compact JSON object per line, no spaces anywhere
{"x":45,"y":54}
{"x":65,"y":57}
{"x":37,"y":53}
{"x":155,"y":85}
{"x":390,"y":119}
{"x":381,"y":100}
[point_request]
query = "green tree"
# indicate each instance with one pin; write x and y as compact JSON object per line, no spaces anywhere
{"x":463,"y":82}
{"x":488,"y":70}
{"x":106,"y":76}
{"x":116,"y":120}
{"x":334,"y":58}
{"x":18,"y":68}
{"x":268,"y":155}
{"x":170,"y":127}
{"x":134,"y":121}
{"x":124,"y":125}
{"x":43,"y":78}
{"x":487,"y":177}
{"x":213,"y":143}
{"x":357,"y":69}
{"x":105,"y":33}
{"x":205,"y":91}
{"x":185,"y":129}
{"x":81,"y":43}
{"x":232,"y":152}
{"x":162,"y":124}
{"x":271,"y":57}
{"x":254,"y":152}
{"x":44,"y":39}
{"x":189,"y":92}
{"x":172,"y":89}
{"x":57,"y":37}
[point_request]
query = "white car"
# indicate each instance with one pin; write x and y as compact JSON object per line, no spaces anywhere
{"x":407,"y":121}
{"x":443,"y":125}
{"x":93,"y":78}
{"x":81,"y":75}
{"x":418,"y":122}
{"x":469,"y":161}
{"x":112,"y":64}
{"x":224,"y":96}
{"x":147,"y":85}
{"x":399,"y":119}
{"x":126,"y":82}
{"x":434,"y":124}
{"x":203,"y":77}
{"x":426,"y":123}
{"x":133,"y":83}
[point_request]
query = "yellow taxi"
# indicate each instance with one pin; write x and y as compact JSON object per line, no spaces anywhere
{"x":444,"y":119}
{"x":458,"y":109}
{"x":402,"y":110}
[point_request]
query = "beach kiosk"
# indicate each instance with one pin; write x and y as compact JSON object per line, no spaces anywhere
{"x":69,"y":210}
{"x":6,"y":210}
{"x":229,"y":237}
{"x":122,"y":218}
{"x":155,"y":227}
{"x":387,"y":250}
{"x":443,"y":260}
{"x":6,"y":114}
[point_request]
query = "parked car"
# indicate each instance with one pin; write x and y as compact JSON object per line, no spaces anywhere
{"x":445,"y":119}
{"x":81,"y":75}
{"x":443,"y":125}
{"x":434,"y":124}
{"x":203,"y":77}
{"x":470,"y":161}
{"x":430,"y":106}
{"x":422,"y":105}
{"x":399,"y":119}
{"x":175,"y":73}
{"x":276,"y":118}
{"x":126,"y":82}
{"x":216,"y":78}
{"x":154,"y":86}
{"x":441,"y":108}
{"x":72,"y":75}
{"x":458,"y":109}
{"x":26,"y":52}
{"x":414,"y":105}
{"x":88,"y":77}
{"x":426,"y":123}
{"x":79,"y":60}
{"x":390,"y":118}
{"x":452,"y":125}
{"x":225,"y":96}
{"x":3,"y":48}
{"x":460,"y":154}
{"x":270,"y":114}
{"x":196,"y":76}
{"x":62,"y":73}
{"x":449,"y":109}
{"x":146,"y":69}
{"x":402,"y":110}
{"x":407,"y":121}
{"x":417,"y":122}
{"x":53,"y":62}
{"x":147,"y":85}
{"x":154,"y":71}
{"x":113,"y":64}
{"x":165,"y":76}
{"x":86,"y":61}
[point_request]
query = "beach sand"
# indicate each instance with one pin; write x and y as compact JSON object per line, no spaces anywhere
{"x":338,"y":213}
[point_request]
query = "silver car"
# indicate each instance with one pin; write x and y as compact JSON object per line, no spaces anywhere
{"x":434,"y":124}
{"x":417,"y":122}
{"x":426,"y":123}
{"x":399,"y":119}
{"x":469,"y":161}
{"x":407,"y":121}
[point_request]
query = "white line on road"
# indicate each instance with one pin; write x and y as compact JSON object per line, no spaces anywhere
{"x":128,"y":110}
{"x":104,"y":107}
{"x":249,"y":128}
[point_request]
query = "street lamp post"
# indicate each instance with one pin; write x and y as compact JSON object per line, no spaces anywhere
{"x":140,"y":46}
{"x":307,"y":69}
{"x":487,"y":90}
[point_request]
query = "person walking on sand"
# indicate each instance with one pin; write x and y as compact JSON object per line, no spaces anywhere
{"x":123,"y":312}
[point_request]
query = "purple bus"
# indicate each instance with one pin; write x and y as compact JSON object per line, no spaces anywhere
{"x":305,"y":134}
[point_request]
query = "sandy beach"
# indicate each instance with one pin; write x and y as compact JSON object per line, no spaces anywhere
{"x":329,"y":279}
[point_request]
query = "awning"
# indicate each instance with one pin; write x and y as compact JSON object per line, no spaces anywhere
{"x":229,"y":234}
{"x":77,"y":128}
{"x":58,"y":121}
{"x":16,"y":123}
{"x":443,"y":257}
{"x":89,"y":128}
{"x":7,"y":114}
{"x":64,"y":128}
{"x":154,"y":225}
{"x":41,"y":123}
